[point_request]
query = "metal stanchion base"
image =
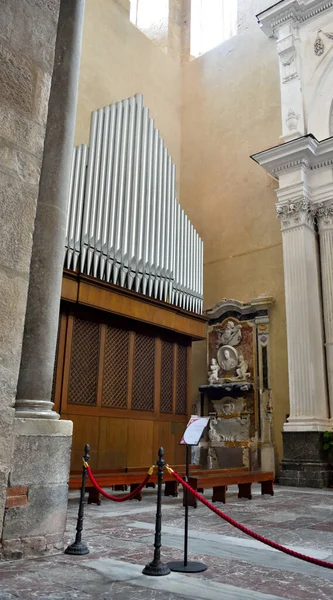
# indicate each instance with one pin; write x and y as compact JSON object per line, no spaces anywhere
{"x":156,"y":569}
{"x":78,"y":549}
{"x":191,"y":567}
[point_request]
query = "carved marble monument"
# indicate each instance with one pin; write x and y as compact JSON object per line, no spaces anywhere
{"x":238,"y":394}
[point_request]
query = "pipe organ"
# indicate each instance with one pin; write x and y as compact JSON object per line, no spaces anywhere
{"x":125,"y":224}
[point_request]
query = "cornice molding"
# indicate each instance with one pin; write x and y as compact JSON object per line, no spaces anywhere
{"x":248,"y":309}
{"x":303,"y":152}
{"x":296,"y":11}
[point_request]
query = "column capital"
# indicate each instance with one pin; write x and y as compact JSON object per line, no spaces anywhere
{"x":324,"y":214}
{"x":294,"y":214}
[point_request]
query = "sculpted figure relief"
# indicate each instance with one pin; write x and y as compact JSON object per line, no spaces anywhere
{"x":228,"y":408}
{"x":242,"y":371}
{"x":212,"y":433}
{"x":231,"y":335}
{"x":213,"y":374}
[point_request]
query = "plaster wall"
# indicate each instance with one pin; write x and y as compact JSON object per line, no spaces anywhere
{"x":26,"y":56}
{"x":231,"y":109}
{"x":119,"y":61}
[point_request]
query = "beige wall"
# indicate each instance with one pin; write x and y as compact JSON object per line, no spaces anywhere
{"x":213,"y":112}
{"x":119,"y":61}
{"x":231,"y":109}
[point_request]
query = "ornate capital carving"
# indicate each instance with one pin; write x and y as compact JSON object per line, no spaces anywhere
{"x":295,"y":214}
{"x":324,"y":214}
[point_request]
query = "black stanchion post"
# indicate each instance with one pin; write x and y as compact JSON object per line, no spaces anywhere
{"x":156,"y":567}
{"x":78,"y":548}
{"x":187,"y":473}
{"x":183,"y":566}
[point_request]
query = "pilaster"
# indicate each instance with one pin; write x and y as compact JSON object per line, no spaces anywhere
{"x":292,"y":112}
{"x":325,"y":227}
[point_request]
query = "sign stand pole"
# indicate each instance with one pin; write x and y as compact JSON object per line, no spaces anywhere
{"x":185,"y":566}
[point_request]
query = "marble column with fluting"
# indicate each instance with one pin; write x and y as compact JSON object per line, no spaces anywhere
{"x":325,"y":227}
{"x":41,"y":322}
{"x":306,"y":359}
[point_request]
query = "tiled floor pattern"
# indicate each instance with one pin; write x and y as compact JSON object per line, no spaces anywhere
{"x":120,"y":538}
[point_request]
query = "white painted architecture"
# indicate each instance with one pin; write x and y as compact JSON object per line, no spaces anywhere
{"x":303,"y":30}
{"x":305,"y":196}
{"x":302,"y":165}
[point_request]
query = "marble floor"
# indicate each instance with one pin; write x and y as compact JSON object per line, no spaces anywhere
{"x":120,"y":539}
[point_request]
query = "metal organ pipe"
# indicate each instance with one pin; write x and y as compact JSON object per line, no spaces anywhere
{"x":134,"y":198}
{"x":75,"y":173}
{"x":125,"y":224}
{"x":88,"y":188}
{"x":75,"y":209}
{"x":113,"y":171}
{"x":121,"y":193}
{"x":147,"y":211}
{"x":100,"y":190}
{"x":143,"y":201}
{"x":107,"y":201}
{"x":95,"y":188}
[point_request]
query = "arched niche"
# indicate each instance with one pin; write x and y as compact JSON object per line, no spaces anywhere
{"x":320,"y":113}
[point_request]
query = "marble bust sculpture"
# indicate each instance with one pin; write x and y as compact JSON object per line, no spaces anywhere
{"x":228,"y":358}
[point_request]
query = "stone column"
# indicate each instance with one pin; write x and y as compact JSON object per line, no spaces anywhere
{"x":41,"y":324}
{"x":325,"y":226}
{"x":307,"y":377}
{"x":42,"y":444}
{"x":304,"y":462}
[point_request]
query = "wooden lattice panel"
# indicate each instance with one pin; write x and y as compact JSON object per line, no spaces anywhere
{"x":83,"y":378}
{"x":116,"y":367}
{"x":167,"y":375}
{"x":181,"y":394}
{"x":143,"y":373}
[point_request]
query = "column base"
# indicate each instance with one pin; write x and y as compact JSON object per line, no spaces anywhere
{"x":35,"y":409}
{"x":37,"y":495}
{"x":305,"y":463}
{"x":307,"y":424}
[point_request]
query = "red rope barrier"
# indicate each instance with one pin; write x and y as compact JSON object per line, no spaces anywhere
{"x":256,"y":536}
{"x":118,"y":498}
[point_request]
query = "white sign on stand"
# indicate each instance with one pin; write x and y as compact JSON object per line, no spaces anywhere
{"x":194,"y":430}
